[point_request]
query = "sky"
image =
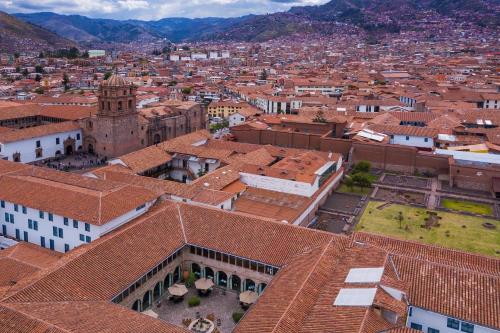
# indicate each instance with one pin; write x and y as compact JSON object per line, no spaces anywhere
{"x":153,"y":9}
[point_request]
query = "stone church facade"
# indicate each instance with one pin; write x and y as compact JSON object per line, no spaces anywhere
{"x":119,"y":128}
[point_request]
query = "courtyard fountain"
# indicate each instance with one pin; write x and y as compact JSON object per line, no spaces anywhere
{"x":202,"y":325}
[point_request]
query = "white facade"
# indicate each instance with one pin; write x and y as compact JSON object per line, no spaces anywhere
{"x":492,"y":104}
{"x":414,"y":141}
{"x":279,"y":184}
{"x":428,"y":319}
{"x":236,"y":119}
{"x":324,"y":90}
{"x":54,"y":231}
{"x":51,"y":145}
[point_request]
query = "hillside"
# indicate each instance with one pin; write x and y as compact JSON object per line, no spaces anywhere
{"x":17,"y":35}
{"x":371,"y":15}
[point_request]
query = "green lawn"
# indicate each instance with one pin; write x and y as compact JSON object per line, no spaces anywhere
{"x":356,"y":190}
{"x":467,"y":206}
{"x":473,"y":238}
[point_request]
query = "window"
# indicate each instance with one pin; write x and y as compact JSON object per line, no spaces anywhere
{"x":66,"y":249}
{"x":60,"y":233}
{"x":42,"y":241}
{"x":51,"y":244}
{"x":410,"y":311}
{"x":140,"y":207}
{"x":40,"y":213}
{"x":4,"y":230}
{"x":30,"y":224}
{"x":38,"y":144}
{"x":54,"y":231}
{"x":453,"y":323}
{"x":426,"y":140}
{"x":468,"y":328}
{"x":35,"y":225}
{"x":16,"y":207}
{"x":25,"y":210}
{"x":416,"y":326}
{"x":17,"y":234}
{"x":432,"y":330}
{"x":11,"y":218}
{"x":407,"y":138}
{"x":66,"y":221}
{"x":7,"y":219}
{"x":87,"y":227}
{"x":57,"y":141}
{"x":51,"y":217}
{"x":25,"y":236}
{"x":2,"y":204}
{"x":82,"y":238}
{"x":75,"y":224}
{"x":87,"y":239}
{"x":78,"y":136}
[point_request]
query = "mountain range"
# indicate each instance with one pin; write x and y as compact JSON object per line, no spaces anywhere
{"x":379,"y":15}
{"x":18,"y":35}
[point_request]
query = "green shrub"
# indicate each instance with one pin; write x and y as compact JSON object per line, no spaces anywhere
{"x":190,"y":280}
{"x":237,"y":316}
{"x":194,"y":301}
{"x":362,"y":166}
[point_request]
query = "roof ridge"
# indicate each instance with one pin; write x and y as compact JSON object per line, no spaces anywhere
{"x":327,"y":246}
{"x":182,"y":223}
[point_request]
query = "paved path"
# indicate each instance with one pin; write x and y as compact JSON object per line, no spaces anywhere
{"x":432,"y":201}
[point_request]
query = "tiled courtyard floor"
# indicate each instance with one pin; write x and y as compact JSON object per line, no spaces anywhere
{"x":221,"y":306}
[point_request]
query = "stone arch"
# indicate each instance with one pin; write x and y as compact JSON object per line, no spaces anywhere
{"x":249,"y":284}
{"x":209,"y":273}
{"x":137,"y":305}
{"x":235,"y":282}
{"x":261,"y":287}
{"x":196,"y":269}
{"x":222,"y":279}
{"x":156,"y":138}
{"x":147,"y":300}
{"x":69,"y":146}
{"x":168,"y":281}
{"x":157,"y":291}
{"x":177,"y":274}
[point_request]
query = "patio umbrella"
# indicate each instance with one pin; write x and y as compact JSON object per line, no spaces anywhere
{"x":151,"y":313}
{"x":178,"y":290}
{"x":204,"y":284}
{"x":248,"y":297}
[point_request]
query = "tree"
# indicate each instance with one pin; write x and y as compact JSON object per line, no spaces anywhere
{"x":16,"y":55}
{"x":186,"y":91}
{"x":38,"y":78}
{"x":39,"y":69}
{"x":362,"y":180}
{"x":41,"y":55}
{"x":319,"y":117}
{"x":39,"y":90}
{"x":362,"y":166}
{"x":107,"y":75}
{"x":65,"y":81}
{"x":85,"y":54}
{"x":73,"y":53}
{"x":400,"y":218}
{"x":349,"y":182}
{"x":25,"y":72}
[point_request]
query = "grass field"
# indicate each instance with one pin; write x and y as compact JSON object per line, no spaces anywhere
{"x":467,"y":206}
{"x":356,"y":190}
{"x":451,"y":232}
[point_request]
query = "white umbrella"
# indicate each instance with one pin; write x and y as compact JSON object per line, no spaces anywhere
{"x":204,"y":284}
{"x":178,"y":290}
{"x":248,"y":297}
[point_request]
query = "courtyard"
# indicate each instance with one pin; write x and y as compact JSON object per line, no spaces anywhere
{"x":466,"y":233}
{"x":218,"y":306}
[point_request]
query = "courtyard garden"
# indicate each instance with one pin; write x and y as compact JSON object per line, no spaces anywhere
{"x":467,"y":206}
{"x":466,"y":233}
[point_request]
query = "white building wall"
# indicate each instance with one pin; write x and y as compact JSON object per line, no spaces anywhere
{"x":414,"y":141}
{"x":70,"y":236}
{"x":278,"y":184}
{"x":429,"y":319}
{"x":27,"y":148}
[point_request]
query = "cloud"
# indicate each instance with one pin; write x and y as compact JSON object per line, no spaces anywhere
{"x":153,"y":9}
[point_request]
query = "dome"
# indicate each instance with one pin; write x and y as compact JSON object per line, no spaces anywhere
{"x":115,"y":81}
